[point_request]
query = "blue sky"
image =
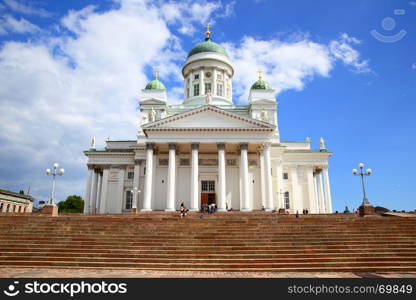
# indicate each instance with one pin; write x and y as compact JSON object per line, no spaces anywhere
{"x":74,"y":69}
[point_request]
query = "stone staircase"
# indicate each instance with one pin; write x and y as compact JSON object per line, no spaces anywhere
{"x":232,"y":241}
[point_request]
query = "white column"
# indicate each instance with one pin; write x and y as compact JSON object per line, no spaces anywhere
{"x":87,"y":203}
{"x":244,"y":179}
{"x":268,"y":177}
{"x":120,"y":190}
{"x":99,"y":186}
{"x":214,"y":82}
{"x":315,"y":185}
{"x":280,"y":187}
{"x":311,"y":191}
{"x":194,"y":178}
{"x":93,"y":199}
{"x":262,"y":180}
{"x":320,"y":193}
{"x":104,"y":190}
{"x":328,"y":200}
{"x":136,"y":182}
{"x":171,"y":192}
{"x":201,"y":82}
{"x":297,"y":196}
{"x":221,"y":178}
{"x":147,"y":201}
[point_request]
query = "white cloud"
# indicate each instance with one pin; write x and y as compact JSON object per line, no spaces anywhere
{"x":288,"y":64}
{"x":10,"y":24}
{"x":58,"y":91}
{"x":342,"y":50}
{"x":414,"y":66}
{"x":188,"y":13}
{"x":27,"y":9}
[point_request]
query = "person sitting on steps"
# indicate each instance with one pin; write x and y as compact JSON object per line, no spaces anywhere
{"x":184,"y":210}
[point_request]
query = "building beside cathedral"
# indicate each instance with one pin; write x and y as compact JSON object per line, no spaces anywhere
{"x":208,"y":150}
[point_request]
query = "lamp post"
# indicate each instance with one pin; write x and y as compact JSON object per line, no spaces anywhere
{"x":54,"y":173}
{"x":135,"y":191}
{"x":368,"y":172}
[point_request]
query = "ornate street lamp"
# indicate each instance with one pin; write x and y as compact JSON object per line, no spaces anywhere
{"x":54,"y":173}
{"x":368,"y":172}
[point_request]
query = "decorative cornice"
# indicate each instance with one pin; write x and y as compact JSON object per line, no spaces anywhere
{"x":211,"y":129}
{"x":208,"y":108}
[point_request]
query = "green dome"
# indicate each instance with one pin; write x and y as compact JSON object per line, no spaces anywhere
{"x":207,"y":46}
{"x":155,"y":85}
{"x":261,"y":85}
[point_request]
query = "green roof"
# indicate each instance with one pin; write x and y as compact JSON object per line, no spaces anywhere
{"x":261,"y":85}
{"x":155,"y":85}
{"x":207,"y":46}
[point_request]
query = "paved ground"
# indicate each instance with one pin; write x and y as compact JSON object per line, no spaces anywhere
{"x":100,"y":273}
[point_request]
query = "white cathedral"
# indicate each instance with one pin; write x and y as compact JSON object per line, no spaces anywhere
{"x":208,"y":150}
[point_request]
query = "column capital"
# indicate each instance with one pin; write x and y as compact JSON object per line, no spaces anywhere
{"x":221,"y":146}
{"x":266,"y":145}
{"x":172,"y":146}
{"x":90,"y":166}
{"x":195,"y":146}
{"x":138,"y":162}
{"x":243,"y":146}
{"x":150,"y":146}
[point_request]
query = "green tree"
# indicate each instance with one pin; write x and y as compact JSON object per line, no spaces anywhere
{"x":72,"y":204}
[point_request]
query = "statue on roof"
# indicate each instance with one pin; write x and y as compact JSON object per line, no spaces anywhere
{"x":93,"y":142}
{"x":322,"y":144}
{"x":208,"y":98}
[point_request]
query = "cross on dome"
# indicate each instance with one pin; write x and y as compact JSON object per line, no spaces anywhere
{"x":156,"y":72}
{"x":260,"y":72}
{"x":208,"y":31}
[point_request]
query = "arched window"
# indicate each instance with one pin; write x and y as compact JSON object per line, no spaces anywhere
{"x":1,"y":206}
{"x":7,"y":207}
{"x":287,"y":200}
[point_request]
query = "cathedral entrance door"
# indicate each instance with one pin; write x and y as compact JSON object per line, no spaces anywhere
{"x":208,"y":192}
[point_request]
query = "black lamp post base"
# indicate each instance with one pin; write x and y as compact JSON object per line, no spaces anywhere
{"x":365,"y":210}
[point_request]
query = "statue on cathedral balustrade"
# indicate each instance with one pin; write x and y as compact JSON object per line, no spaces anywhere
{"x":208,"y":98}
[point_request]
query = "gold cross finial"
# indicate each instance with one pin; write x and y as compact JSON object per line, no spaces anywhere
{"x":208,"y":32}
{"x":156,"y":72}
{"x":260,"y":74}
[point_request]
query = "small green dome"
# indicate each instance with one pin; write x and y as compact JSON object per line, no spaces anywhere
{"x":207,"y":46}
{"x":261,"y":85}
{"x":155,"y":85}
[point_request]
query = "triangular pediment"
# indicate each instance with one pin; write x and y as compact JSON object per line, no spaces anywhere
{"x":208,"y":117}
{"x":263,"y":101}
{"x":153,"y":101}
